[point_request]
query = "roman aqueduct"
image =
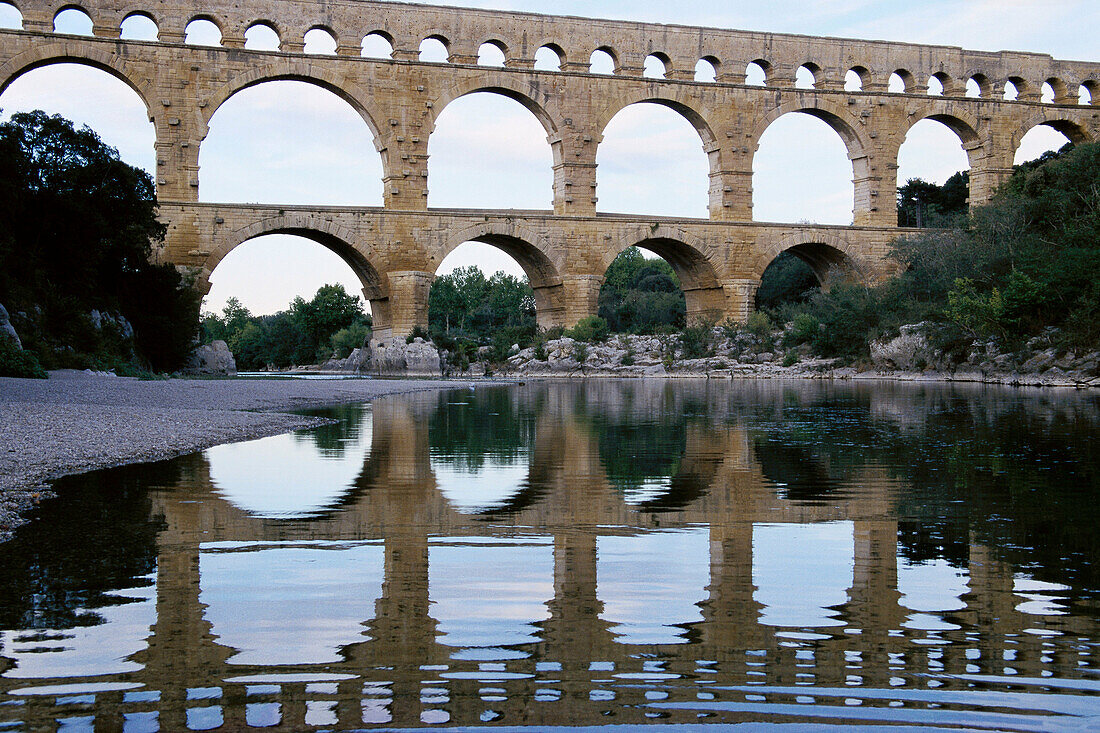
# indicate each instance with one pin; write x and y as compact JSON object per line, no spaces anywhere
{"x":395,"y":249}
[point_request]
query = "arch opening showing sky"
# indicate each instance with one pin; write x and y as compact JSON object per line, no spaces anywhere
{"x":347,"y":169}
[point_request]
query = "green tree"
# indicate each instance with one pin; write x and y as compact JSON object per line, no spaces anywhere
{"x":77,"y":227}
{"x":641,"y":295}
{"x":924,"y":204}
{"x":499,"y":310}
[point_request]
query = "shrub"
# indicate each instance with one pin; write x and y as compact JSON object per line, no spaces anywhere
{"x":15,"y":362}
{"x":758,"y":324}
{"x":590,"y":329}
{"x":804,"y":328}
{"x":418,"y":332}
{"x":790,"y":359}
{"x":697,"y":340}
{"x":580,"y":352}
{"x":348,"y":339}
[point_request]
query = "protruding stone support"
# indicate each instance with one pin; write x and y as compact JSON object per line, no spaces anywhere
{"x":731,"y":612}
{"x":740,"y":298}
{"x":575,"y":188}
{"x":549,"y":305}
{"x":408,"y":301}
{"x":731,"y":195}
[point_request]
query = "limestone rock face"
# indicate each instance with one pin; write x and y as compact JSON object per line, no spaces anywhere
{"x":393,"y":356}
{"x":7,"y":331}
{"x":908,"y":352}
{"x":212,"y":358}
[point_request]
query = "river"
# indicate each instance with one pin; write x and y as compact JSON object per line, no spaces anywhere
{"x":687,"y":553}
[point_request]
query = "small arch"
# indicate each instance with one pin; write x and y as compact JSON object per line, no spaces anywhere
{"x":262,"y":36}
{"x":1046,"y":93}
{"x":491,"y":53}
{"x":202,"y":31}
{"x":901,"y":82}
{"x":1087,"y":93}
{"x":10,"y":17}
{"x":549,"y":57}
{"x":706,"y":69}
{"x":1015,"y":88}
{"x":139,"y":26}
{"x":1055,"y":91}
{"x":603,"y":61}
{"x":320,"y":41}
{"x":656,"y":66}
{"x":939,"y":84}
{"x":978,"y":86}
{"x":808,"y":76}
{"x":376,"y":45}
{"x":73,"y":20}
{"x":435,"y":49}
{"x":758,"y":73}
{"x":856,"y":79}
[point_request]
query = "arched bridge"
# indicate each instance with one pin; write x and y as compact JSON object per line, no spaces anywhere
{"x":396,"y":248}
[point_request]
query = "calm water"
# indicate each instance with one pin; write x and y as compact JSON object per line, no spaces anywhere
{"x":576,"y":555}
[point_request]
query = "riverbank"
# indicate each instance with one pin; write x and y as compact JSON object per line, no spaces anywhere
{"x":76,"y":422}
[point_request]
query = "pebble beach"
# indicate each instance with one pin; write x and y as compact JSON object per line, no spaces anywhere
{"x":76,"y":421}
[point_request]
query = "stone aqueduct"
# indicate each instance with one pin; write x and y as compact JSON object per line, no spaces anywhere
{"x":395,"y":249}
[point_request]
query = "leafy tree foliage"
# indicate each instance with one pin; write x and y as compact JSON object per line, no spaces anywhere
{"x":77,"y":227}
{"x":465,"y":306}
{"x":787,"y":279}
{"x":331,"y":323}
{"x":1028,"y":260}
{"x":924,"y":204}
{"x":641,"y":295}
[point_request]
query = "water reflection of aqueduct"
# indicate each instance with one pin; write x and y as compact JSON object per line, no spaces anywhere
{"x":396,"y":249}
{"x":399,"y":650}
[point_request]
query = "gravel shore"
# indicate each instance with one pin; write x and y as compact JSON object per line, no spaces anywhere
{"x":75,"y":422}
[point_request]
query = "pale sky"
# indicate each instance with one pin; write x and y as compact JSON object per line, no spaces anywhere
{"x":489,"y":152}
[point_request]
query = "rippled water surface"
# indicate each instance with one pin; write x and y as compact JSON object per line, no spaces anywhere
{"x":612,"y":553}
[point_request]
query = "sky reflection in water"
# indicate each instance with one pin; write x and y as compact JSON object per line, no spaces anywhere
{"x":685,"y":553}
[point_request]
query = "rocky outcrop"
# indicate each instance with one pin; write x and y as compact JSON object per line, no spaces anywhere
{"x":907,"y":352}
{"x":214,"y":358}
{"x":7,"y":331}
{"x":395,"y":356}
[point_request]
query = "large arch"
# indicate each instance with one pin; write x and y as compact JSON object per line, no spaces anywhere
{"x":304,"y":71}
{"x":323,"y":231}
{"x":541,"y":263}
{"x":1077,"y":131}
{"x":508,"y":157}
{"x":76,"y":52}
{"x":694,"y":117}
{"x":826,"y":252}
{"x":688,"y":256}
{"x":839,"y":121}
{"x":526,"y":93}
{"x":314,"y":150}
{"x":965,"y":130}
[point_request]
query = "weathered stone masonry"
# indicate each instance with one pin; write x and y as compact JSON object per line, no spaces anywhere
{"x":395,"y":249}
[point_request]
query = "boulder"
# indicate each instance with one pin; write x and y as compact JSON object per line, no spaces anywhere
{"x":907,"y":352}
{"x":212,"y":358}
{"x":7,"y":331}
{"x":394,"y":356}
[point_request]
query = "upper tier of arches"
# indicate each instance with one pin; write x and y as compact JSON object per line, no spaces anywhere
{"x":670,"y":52}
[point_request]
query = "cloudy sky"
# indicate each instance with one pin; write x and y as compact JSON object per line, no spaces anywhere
{"x":488,"y":152}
